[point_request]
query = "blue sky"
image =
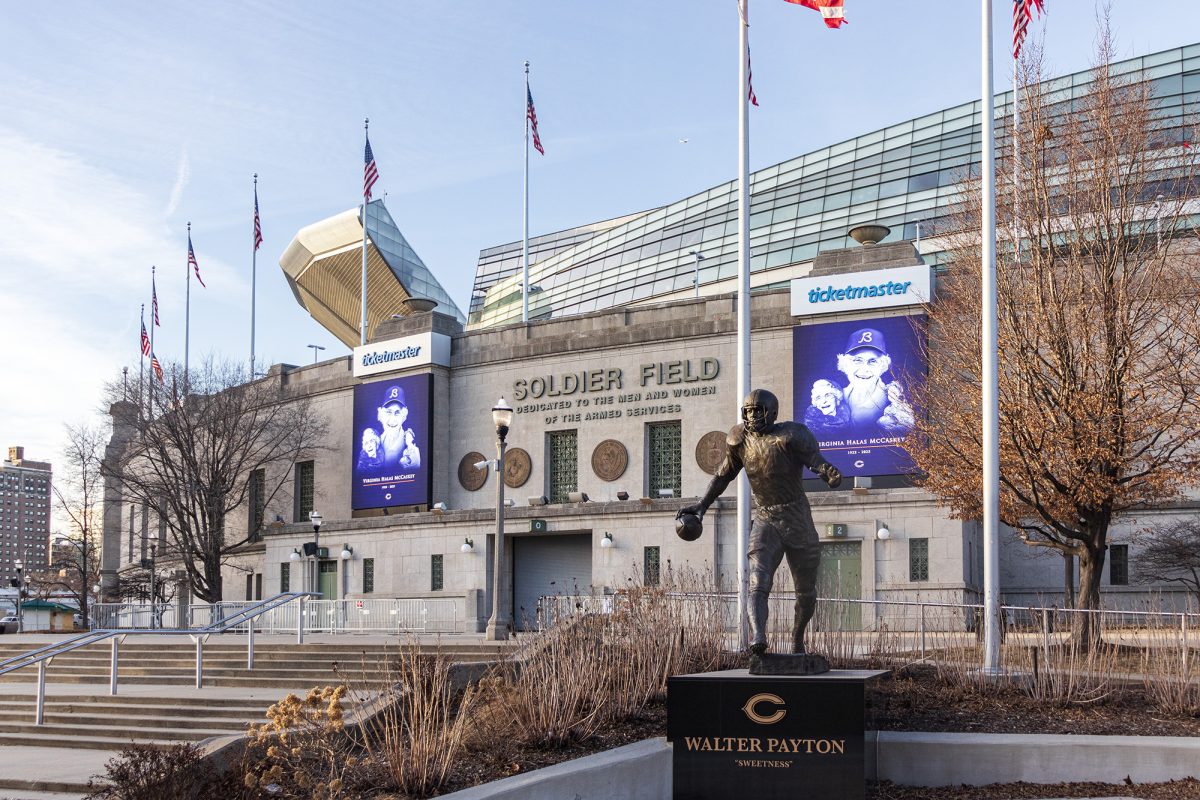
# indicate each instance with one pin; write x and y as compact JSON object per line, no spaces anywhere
{"x":120,"y":122}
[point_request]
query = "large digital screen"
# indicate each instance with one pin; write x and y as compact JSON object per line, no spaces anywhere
{"x":852,"y":384}
{"x":392,"y":423}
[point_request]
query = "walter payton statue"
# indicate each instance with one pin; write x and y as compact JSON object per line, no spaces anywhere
{"x":774,"y":455}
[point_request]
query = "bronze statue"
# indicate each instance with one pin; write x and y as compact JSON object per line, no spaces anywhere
{"x":774,"y":455}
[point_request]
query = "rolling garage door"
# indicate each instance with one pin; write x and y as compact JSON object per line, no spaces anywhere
{"x":548,"y":565}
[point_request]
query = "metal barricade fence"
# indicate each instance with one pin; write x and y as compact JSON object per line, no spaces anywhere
{"x":383,"y":615}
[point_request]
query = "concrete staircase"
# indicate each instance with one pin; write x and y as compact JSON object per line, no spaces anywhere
{"x":157,"y":703}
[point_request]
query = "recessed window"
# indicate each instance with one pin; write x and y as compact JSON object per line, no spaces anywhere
{"x":1118,"y":565}
{"x":664,"y":445}
{"x":305,"y":475}
{"x":368,"y":570}
{"x":285,"y":577}
{"x":435,"y":573}
{"x":918,"y":559}
{"x":650,"y":566}
{"x":563,"y":459}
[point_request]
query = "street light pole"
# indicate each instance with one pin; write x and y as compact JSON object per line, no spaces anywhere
{"x":20,"y":565}
{"x":498,"y":624}
{"x":316,"y":519}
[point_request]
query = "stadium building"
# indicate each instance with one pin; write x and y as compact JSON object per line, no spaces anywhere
{"x":623,"y":385}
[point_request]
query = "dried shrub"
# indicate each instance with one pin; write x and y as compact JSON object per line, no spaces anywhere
{"x":145,"y":772}
{"x":302,"y":750}
{"x":1169,"y":673}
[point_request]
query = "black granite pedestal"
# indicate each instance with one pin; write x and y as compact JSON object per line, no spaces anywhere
{"x":768,"y":736}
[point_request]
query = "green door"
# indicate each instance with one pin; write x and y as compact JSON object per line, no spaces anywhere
{"x":840,"y":576}
{"x":327,"y":583}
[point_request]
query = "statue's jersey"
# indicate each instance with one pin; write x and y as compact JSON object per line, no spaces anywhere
{"x":772,"y":460}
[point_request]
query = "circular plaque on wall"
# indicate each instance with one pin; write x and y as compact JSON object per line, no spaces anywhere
{"x":472,"y":479}
{"x":517,"y":466}
{"x":710,"y":451}
{"x":609,"y":460}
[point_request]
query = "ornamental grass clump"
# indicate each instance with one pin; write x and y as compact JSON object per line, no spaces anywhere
{"x":421,"y":731}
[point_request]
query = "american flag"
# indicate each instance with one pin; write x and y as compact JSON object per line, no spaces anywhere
{"x":258,"y":240}
{"x":370,"y":173}
{"x":192,"y":261}
{"x":532,"y":115}
{"x":145,"y":340}
{"x":154,"y":304}
{"x":831,"y":10}
{"x":157,"y":367}
{"x":750,"y":78}
{"x":1022,"y":16}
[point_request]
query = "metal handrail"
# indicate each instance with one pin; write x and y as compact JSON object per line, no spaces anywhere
{"x":42,"y":656}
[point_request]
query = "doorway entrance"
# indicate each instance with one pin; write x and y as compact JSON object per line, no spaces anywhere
{"x":327,"y":574}
{"x":840,"y":576}
{"x":545,"y":566}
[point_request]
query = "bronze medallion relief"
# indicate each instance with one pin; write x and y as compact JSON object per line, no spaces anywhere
{"x":517,"y":466}
{"x":472,"y":479}
{"x":609,"y":460}
{"x":710,"y":451}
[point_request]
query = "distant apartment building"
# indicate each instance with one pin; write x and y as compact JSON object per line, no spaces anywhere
{"x":24,"y":515}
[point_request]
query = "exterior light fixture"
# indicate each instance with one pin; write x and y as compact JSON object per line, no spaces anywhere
{"x":607,"y":541}
{"x":666,"y":492}
{"x":295,"y":554}
{"x":347,"y":552}
{"x":881,"y":529}
{"x":498,"y":623}
{"x":440,"y":507}
{"x":622,"y":495}
{"x":468,"y":546}
{"x":539,"y":500}
{"x":577,"y":497}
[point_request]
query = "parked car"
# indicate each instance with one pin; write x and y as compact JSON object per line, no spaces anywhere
{"x":8,"y":624}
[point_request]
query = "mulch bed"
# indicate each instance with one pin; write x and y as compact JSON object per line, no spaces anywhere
{"x":914,"y":700}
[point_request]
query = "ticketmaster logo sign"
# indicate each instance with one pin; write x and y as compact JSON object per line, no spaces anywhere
{"x":855,"y":291}
{"x":396,"y":354}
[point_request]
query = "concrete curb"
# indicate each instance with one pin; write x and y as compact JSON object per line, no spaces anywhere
{"x":977,"y":759}
{"x":639,"y":771}
{"x":642,"y":771}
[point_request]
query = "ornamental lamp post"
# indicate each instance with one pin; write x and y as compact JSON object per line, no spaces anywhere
{"x":498,"y":624}
{"x":316,"y":519}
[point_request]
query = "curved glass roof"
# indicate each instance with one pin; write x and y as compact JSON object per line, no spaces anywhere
{"x":903,"y":176}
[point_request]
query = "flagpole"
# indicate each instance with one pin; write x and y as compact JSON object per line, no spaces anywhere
{"x":525,"y":222}
{"x":743,"y":305}
{"x":362,"y":338}
{"x":142,"y":360}
{"x":991,"y":375}
{"x":1016,"y":148}
{"x":253,"y":272}
{"x":187,"y":318}
{"x":153,"y":325}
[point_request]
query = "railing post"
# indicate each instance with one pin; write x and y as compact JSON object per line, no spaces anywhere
{"x":200,"y":660}
{"x":40,"y":716}
{"x":1183,"y":644}
{"x":250,"y":643}
{"x":300,"y":620}
{"x":921,"y":628}
{"x":112,"y":665}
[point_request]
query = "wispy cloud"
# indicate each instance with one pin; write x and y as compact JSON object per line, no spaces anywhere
{"x":76,"y":245}
{"x":183,"y":174}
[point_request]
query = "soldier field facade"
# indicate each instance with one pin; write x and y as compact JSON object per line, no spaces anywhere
{"x":623,"y":384}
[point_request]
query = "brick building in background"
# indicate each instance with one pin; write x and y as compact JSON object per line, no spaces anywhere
{"x":24,"y":515}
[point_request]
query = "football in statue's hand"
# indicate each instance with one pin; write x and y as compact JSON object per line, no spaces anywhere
{"x":689,"y":527}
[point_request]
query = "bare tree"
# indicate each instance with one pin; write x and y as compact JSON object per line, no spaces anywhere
{"x":1171,"y":554}
{"x":197,"y":453}
{"x":1099,"y":326}
{"x":79,"y":492}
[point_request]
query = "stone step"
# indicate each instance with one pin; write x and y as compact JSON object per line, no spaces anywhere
{"x":85,"y":742}
{"x":13,"y":710}
{"x":228,"y":724}
{"x":49,"y":733}
{"x":17,"y":789}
